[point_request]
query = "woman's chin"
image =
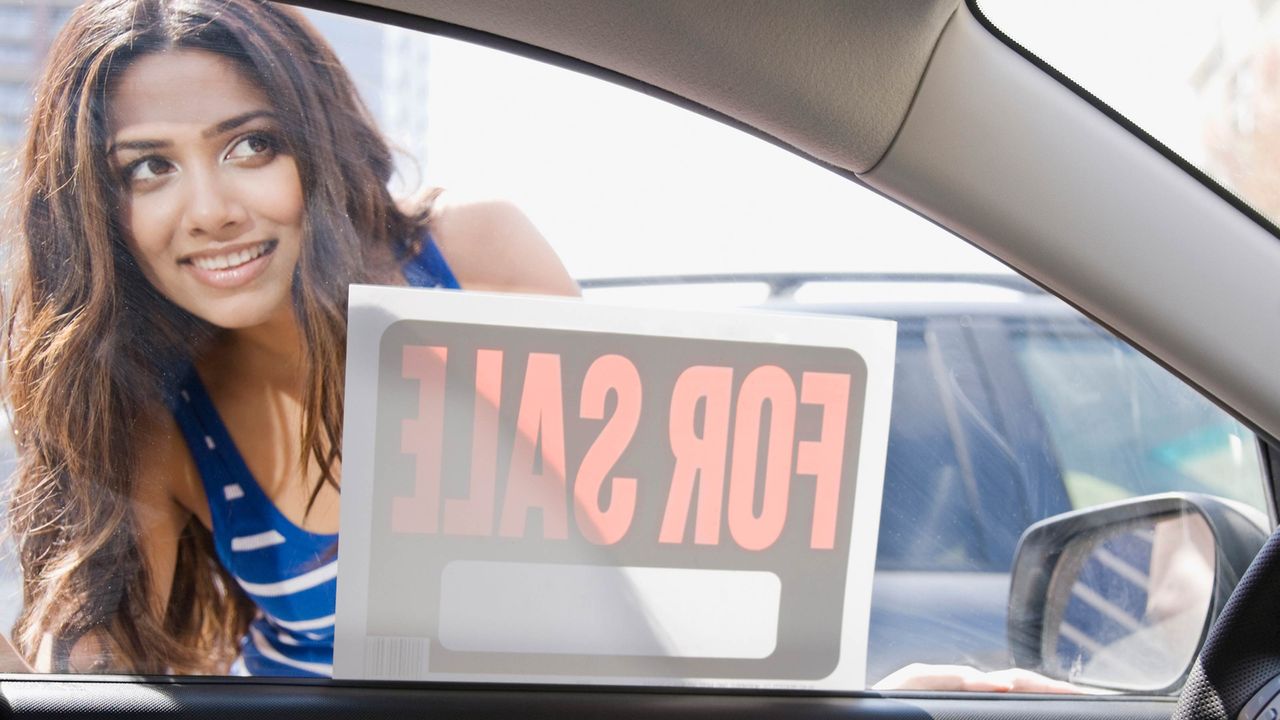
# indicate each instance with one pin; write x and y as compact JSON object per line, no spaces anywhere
{"x":237,"y":315}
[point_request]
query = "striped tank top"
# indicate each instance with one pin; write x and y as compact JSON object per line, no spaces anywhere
{"x":288,"y":572}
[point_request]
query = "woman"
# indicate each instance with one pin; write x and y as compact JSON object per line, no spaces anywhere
{"x":200,"y":185}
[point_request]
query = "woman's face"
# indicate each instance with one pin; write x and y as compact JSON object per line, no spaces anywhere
{"x":212,"y":205}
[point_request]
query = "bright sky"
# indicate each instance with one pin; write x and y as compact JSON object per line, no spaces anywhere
{"x":623,"y":184}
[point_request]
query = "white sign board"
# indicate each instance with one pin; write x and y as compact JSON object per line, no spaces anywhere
{"x":547,"y":490}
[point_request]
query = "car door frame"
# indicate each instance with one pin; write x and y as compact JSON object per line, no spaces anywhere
{"x":27,"y":696}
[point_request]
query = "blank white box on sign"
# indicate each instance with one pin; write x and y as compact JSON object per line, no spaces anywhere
{"x":597,"y":610}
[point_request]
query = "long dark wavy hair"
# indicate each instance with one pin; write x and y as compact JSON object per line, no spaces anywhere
{"x":91,"y":349}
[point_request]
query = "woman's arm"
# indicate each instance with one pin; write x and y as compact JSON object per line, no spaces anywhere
{"x":165,"y":475}
{"x":168,"y":485}
{"x":492,"y":245}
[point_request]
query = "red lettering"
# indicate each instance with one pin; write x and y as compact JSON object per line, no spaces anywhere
{"x":422,"y":437}
{"x":700,"y":458}
{"x":536,"y":475}
{"x":598,"y":525}
{"x":772,"y":384}
{"x":474,"y":514}
{"x":541,"y":418}
{"x":824,"y":458}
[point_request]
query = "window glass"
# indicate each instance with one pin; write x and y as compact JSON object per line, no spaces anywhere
{"x":922,"y":444}
{"x":1008,"y":407}
{"x":1122,"y":426}
{"x":1198,"y":75}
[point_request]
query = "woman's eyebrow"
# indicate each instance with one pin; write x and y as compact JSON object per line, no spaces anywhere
{"x":235,"y":122}
{"x":137,"y":145}
{"x":222,"y":127}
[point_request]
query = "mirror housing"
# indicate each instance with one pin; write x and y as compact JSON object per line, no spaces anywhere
{"x":1091,"y":590}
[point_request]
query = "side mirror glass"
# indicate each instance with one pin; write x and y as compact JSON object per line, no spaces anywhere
{"x":1130,"y":603}
{"x":1119,"y":596}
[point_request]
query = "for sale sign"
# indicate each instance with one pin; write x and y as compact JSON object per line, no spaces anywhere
{"x":543,"y":489}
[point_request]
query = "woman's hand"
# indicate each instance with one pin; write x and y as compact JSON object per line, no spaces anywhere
{"x":962,"y":678}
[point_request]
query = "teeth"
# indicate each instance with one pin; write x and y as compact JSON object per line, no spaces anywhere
{"x":231,"y":260}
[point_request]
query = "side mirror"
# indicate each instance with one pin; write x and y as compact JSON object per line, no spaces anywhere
{"x":1119,"y":596}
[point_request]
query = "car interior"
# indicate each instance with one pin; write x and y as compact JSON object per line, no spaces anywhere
{"x":928,"y":104}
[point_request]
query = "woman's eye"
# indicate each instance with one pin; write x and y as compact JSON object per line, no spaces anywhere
{"x":252,"y":146}
{"x":148,"y":169}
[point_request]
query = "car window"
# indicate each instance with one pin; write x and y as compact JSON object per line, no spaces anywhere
{"x":1093,"y":391}
{"x":1197,"y":76}
{"x":1008,"y":406}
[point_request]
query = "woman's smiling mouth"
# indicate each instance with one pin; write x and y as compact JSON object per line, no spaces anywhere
{"x":230,"y":268}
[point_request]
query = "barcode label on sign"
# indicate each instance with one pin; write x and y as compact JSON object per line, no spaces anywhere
{"x":396,"y":658}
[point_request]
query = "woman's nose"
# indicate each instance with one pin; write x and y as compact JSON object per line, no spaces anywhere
{"x":213,"y":208}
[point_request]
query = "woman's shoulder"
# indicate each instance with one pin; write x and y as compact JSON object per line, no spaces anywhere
{"x":490,"y":244}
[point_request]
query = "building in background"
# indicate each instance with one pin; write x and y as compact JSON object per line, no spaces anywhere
{"x":389,"y":66}
{"x":26,"y":31}
{"x":405,"y":60}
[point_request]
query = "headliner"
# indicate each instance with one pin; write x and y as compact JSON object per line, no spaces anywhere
{"x":835,"y":82}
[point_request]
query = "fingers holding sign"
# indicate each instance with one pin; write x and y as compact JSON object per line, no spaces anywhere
{"x":962,"y":678}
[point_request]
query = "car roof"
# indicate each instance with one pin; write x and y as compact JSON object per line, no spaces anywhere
{"x":893,"y":295}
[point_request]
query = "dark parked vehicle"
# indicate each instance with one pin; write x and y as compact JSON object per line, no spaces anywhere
{"x":993,"y":382}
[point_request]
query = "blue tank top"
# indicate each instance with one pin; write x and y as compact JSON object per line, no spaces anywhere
{"x":289,"y":573}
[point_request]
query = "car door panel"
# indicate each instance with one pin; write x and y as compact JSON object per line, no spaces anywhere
{"x":216,"y":700}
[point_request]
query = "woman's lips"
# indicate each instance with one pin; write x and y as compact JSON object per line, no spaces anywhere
{"x":231,"y":269}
